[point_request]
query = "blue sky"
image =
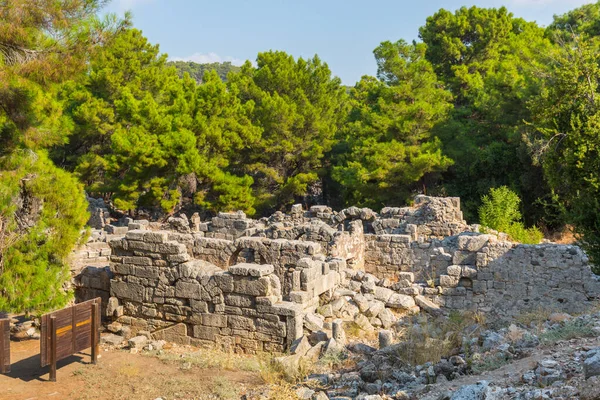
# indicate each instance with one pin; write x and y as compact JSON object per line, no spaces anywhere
{"x":342,"y":32}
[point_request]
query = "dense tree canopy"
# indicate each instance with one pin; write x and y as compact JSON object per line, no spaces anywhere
{"x":485,"y":104}
{"x":566,"y":136}
{"x":197,"y":70}
{"x":491,"y":62}
{"x":299,"y":106}
{"x":388,"y":132}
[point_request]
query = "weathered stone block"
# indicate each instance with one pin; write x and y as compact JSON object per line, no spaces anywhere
{"x":252,"y":287}
{"x":206,"y":332}
{"x":129,"y":291}
{"x":246,"y":269}
{"x":215,"y":320}
{"x":188,"y":290}
{"x":241,"y":323}
{"x":156,"y":237}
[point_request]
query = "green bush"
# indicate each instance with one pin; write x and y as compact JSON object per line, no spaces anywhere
{"x":500,"y":211}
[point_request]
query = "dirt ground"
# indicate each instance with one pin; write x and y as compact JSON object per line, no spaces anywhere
{"x":118,"y":375}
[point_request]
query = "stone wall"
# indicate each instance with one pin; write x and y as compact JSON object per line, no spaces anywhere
{"x":157,"y":285}
{"x":247,"y":284}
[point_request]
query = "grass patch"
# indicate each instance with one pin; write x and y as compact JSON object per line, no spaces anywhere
{"x":534,"y":318}
{"x":208,"y":358}
{"x":489,"y":363}
{"x":129,"y":370}
{"x":430,"y":339}
{"x":333,"y":359}
{"x":568,"y":330}
{"x":224,"y":389}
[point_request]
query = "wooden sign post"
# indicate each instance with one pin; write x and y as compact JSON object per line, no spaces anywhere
{"x":4,"y":346}
{"x":68,"y":331}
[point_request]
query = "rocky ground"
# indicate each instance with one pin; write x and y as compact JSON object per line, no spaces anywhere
{"x":540,"y":355}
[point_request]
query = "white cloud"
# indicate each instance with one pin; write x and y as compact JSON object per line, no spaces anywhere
{"x":207,"y":58}
{"x":574,"y":3}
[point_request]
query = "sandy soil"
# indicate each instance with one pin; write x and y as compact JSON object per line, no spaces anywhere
{"x":118,"y":375}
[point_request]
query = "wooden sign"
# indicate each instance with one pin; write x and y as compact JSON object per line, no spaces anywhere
{"x":69,"y":331}
{"x":4,"y":346}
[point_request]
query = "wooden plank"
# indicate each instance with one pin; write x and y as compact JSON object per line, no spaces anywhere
{"x":74,"y":327}
{"x":95,"y":317}
{"x":4,"y":346}
{"x":53,"y":350}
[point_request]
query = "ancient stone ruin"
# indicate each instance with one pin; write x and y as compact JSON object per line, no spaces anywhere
{"x":257,"y":285}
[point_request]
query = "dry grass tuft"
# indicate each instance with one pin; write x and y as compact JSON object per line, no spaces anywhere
{"x":535,"y":317}
{"x":211,"y":358}
{"x":431,"y":339}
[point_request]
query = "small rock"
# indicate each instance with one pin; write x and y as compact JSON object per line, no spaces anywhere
{"x":300,"y":346}
{"x":137,"y":342}
{"x":385,"y":338}
{"x":304,"y":393}
{"x":313,"y":322}
{"x":338,"y":332}
{"x":591,"y":365}
{"x":111,"y":339}
{"x":590,"y":389}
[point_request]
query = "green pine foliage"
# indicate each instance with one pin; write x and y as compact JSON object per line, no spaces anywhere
{"x":492,"y":63}
{"x":390,"y":152}
{"x":299,"y":107}
{"x":197,"y":71}
{"x":42,"y":207}
{"x":45,"y":209}
{"x":147,"y":137}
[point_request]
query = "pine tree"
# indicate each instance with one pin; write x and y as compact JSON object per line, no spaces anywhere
{"x":299,"y":107}
{"x":42,"y":208}
{"x":390,"y":150}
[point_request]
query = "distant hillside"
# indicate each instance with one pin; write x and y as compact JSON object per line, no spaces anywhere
{"x":196,"y":70}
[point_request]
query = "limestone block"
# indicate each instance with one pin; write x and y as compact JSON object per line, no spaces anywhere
{"x":255,"y":270}
{"x":241,"y":323}
{"x":400,"y":301}
{"x":454,"y":270}
{"x":272,"y":328}
{"x":375,"y":307}
{"x":238,"y":300}
{"x":136,"y":245}
{"x":188,"y":290}
{"x":224,"y":281}
{"x":178,"y":258}
{"x":252,"y":287}
{"x":473,"y":242}
{"x":361,"y":301}
{"x":111,"y":306}
{"x":137,"y":260}
{"x":313,"y":322}
{"x":215,"y":320}
{"x":428,"y":305}
{"x":129,"y":291}
{"x":146,"y":272}
{"x":383,"y":294}
{"x":448,"y":281}
{"x":206,"y":332}
{"x":135,"y":234}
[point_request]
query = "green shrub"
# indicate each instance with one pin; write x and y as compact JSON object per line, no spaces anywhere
{"x":500,"y":211}
{"x":571,"y":329}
